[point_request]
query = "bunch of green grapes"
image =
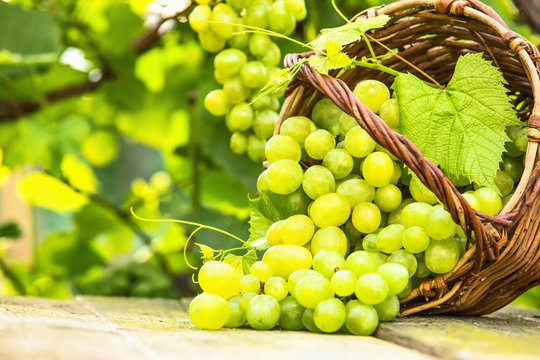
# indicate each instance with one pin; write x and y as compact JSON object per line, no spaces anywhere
{"x":371,"y":233}
{"x":244,"y":63}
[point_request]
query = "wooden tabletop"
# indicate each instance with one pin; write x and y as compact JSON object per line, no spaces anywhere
{"x":127,"y":328}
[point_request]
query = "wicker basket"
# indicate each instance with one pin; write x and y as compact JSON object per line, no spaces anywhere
{"x":504,"y":260}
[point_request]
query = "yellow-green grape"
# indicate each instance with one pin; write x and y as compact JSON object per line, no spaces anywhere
{"x":223,"y":13}
{"x":256,"y":14}
{"x":262,"y":182}
{"x":286,"y":259}
{"x":361,"y":319}
{"x":273,"y":235}
{"x":366,"y":217}
{"x":327,"y":262}
{"x":329,"y":237}
{"x":281,"y":147}
{"x":346,"y":123}
{"x":277,"y":288}
{"x":235,"y":90}
{"x":490,"y":201}
{"x":284,"y":176}
{"x":344,"y":282}
{"x":389,"y":112}
{"x":229,"y":62}
{"x":372,"y":93}
{"x":361,"y":262}
{"x":209,"y":311}
{"x":262,"y":271}
{"x":216,"y":277}
{"x":255,"y":148}
{"x":297,"y":127}
{"x":280,"y":19}
{"x":254,"y":74}
{"x":272,"y":56}
{"x":318,"y":181}
{"x":297,"y":230}
{"x":240,"y":118}
{"x":265,"y":123}
{"x":329,"y":315}
{"x":237,"y":316}
{"x":330,"y":210}
{"x":441,"y":256}
{"x":358,"y":142}
{"x":371,"y":289}
{"x":258,"y":44}
{"x":378,"y":169}
{"x":388,"y":309}
{"x":421,"y":193}
{"x":312,"y":290}
{"x":249,"y":283}
{"x":246,"y":298}
{"x":397,"y":174}
{"x":356,"y":191}
{"x":339,"y":162}
{"x":297,"y":8}
{"x":238,"y":143}
{"x":210,"y":41}
{"x":319,"y":143}
{"x":217,"y":103}
{"x":100,"y":148}
{"x":199,"y":17}
{"x":388,"y":198}
{"x":395,"y":275}
{"x":472,"y":200}
{"x":298,"y":275}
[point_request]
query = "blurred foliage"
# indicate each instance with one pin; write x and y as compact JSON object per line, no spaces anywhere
{"x":94,"y":121}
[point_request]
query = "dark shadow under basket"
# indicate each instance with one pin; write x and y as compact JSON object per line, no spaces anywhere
{"x":503,"y":260}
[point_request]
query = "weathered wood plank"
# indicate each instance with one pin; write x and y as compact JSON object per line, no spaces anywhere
{"x":511,"y":333}
{"x":164,"y":326}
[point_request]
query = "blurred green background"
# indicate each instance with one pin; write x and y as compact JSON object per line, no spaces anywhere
{"x":100,"y":111}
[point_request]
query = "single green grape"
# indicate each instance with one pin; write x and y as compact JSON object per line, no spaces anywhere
{"x":388,"y":198}
{"x":200,"y":17}
{"x":371,"y":289}
{"x":224,"y":16}
{"x":298,"y":275}
{"x":331,"y":238}
{"x":297,"y":127}
{"x":339,"y":162}
{"x":513,"y":167}
{"x":472,"y":200}
{"x":421,"y":270}
{"x":291,"y":314}
{"x":272,"y":56}
{"x":346,"y":123}
{"x":395,"y":216}
{"x":404,"y":258}
{"x":421,"y":193}
{"x":239,"y":41}
{"x":216,"y":277}
{"x":326,"y":262}
{"x":246,"y":298}
{"x":318,"y":181}
{"x":319,"y":143}
{"x":378,"y":169}
{"x":280,"y":19}
{"x":211,"y":41}
{"x":344,"y":283}
{"x":325,"y":114}
{"x":360,"y":263}
{"x":217,"y":102}
{"x":263,"y":312}
{"x":297,"y":230}
{"x":262,"y":182}
{"x":330,"y":210}
{"x":504,"y":182}
{"x":264,"y":123}
{"x":297,"y":8}
{"x":273,"y":235}
{"x":389,"y":112}
{"x":259,"y":44}
{"x":254,"y":74}
{"x":415,"y":239}
{"x":240,"y":118}
{"x":490,"y":201}
{"x":249,"y":283}
{"x":235,"y":90}
{"x":388,"y":309}
{"x":366,"y":217}
{"x":237,"y":316}
{"x":255,"y":148}
{"x":309,"y":322}
{"x":358,"y":142}
{"x":329,"y":315}
{"x":286,"y":259}
{"x":372,"y":93}
{"x":356,"y":191}
{"x":415,"y":214}
{"x":229,"y":62}
{"x":361,"y":319}
{"x":442,"y":255}
{"x":276,"y":287}
{"x":397,"y":174}
{"x":262,"y":271}
{"x":256,"y":15}
{"x":521,"y":139}
{"x":440,"y":224}
{"x":406,"y":291}
{"x":209,"y":311}
{"x":369,"y":242}
{"x":280,"y":147}
{"x":312,"y":290}
{"x":395,"y":275}
{"x":388,"y":239}
{"x":284,"y":176}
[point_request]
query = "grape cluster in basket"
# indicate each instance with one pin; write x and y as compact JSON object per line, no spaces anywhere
{"x":372,"y":232}
{"x":244,"y":63}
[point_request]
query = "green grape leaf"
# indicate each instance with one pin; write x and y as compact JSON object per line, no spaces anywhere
{"x":206,"y":251}
{"x":350,"y":32}
{"x":241,"y":263}
{"x":462,"y":127}
{"x":334,"y":59}
{"x":268,"y":208}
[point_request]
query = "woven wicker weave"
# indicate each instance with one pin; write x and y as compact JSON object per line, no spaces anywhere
{"x":503,"y":260}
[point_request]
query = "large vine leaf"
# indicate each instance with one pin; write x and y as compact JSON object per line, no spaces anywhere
{"x":350,"y":32}
{"x":462,"y":127}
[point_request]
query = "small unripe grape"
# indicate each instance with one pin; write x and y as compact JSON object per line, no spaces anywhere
{"x":217,"y":103}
